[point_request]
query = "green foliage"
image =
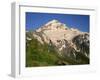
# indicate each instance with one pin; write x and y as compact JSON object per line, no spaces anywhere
{"x":40,"y":55}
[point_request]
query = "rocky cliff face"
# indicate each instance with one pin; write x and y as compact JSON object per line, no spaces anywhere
{"x":70,"y":43}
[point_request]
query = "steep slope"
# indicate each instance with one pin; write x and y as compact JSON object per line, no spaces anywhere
{"x":70,"y":43}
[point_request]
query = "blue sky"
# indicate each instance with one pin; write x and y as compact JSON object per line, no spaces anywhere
{"x":36,"y":20}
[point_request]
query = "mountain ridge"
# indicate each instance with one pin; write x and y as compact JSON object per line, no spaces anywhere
{"x":68,"y":42}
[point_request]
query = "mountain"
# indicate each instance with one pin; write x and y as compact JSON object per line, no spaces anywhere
{"x":70,"y":44}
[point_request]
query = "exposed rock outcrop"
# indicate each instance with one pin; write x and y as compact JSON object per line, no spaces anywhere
{"x":69,"y":42}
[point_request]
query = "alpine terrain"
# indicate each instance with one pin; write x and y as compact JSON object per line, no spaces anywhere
{"x":56,"y":44}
